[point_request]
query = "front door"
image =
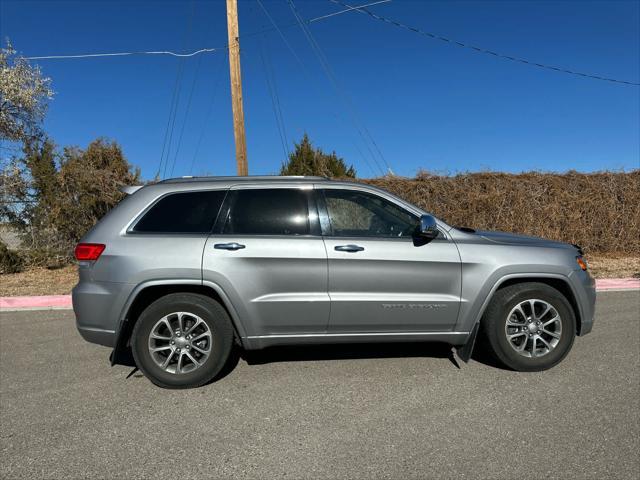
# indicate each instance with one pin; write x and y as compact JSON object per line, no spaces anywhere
{"x":269,"y":258}
{"x":382,"y":280}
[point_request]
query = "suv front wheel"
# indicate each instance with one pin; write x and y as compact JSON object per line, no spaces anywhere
{"x":182,"y":340}
{"x":528,"y":326}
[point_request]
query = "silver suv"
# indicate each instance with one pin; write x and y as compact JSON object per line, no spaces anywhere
{"x":182,"y":270}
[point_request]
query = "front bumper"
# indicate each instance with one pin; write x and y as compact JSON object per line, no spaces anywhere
{"x":584,"y":287}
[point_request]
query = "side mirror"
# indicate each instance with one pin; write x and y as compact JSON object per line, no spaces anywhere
{"x":428,"y":228}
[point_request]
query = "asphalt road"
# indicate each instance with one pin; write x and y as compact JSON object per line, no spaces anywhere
{"x":369,"y":411}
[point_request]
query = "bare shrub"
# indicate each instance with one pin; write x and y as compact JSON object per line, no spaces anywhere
{"x":599,"y":211}
{"x":53,"y":199}
{"x":10,"y":261}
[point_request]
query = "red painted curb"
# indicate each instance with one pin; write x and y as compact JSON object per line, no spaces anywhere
{"x":604,"y":284}
{"x":64,"y":301}
{"x":48,"y":301}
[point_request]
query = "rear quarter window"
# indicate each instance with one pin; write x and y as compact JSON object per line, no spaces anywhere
{"x":184,"y":212}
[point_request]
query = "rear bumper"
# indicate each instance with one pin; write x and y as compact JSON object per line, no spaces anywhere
{"x":96,"y":335}
{"x":97,"y":307}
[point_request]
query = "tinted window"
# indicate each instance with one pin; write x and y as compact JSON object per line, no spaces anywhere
{"x":359,"y":214}
{"x":188,"y":212}
{"x":269,"y":212}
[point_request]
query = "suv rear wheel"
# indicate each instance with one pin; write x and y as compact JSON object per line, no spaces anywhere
{"x":182,"y":340}
{"x":528,"y":326}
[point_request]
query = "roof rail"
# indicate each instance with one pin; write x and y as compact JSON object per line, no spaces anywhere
{"x":130,"y":189}
{"x":247,"y":178}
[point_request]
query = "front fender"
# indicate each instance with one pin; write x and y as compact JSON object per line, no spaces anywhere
{"x":476,"y":298}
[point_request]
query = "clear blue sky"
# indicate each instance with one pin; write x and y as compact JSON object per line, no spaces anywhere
{"x":427,"y":104}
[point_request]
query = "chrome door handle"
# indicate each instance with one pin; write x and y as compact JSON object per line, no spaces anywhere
{"x":349,"y":248}
{"x":228,"y":246}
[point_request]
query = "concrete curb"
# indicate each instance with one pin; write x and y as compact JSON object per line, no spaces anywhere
{"x":63,"y":302}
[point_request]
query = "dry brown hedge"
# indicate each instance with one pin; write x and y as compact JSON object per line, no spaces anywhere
{"x":599,"y":211}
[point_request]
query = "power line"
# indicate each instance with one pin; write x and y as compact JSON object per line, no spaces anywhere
{"x":309,"y":21}
{"x":195,"y":52}
{"x":169,"y":127}
{"x":275,"y":101}
{"x":123,"y":54}
{"x":186,"y":115}
{"x":208,"y":114}
{"x":173,"y":114}
{"x":273,"y":90}
{"x":166,"y":130}
{"x":175,"y":99}
{"x":350,"y":8}
{"x":305,"y":70}
{"x":284,"y":39}
{"x":324,"y":62}
{"x":435,"y":36}
{"x":347,"y":10}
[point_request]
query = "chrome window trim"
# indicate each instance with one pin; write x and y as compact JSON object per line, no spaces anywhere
{"x":370,"y":334}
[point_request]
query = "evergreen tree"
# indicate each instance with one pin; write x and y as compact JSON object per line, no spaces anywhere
{"x":307,"y":160}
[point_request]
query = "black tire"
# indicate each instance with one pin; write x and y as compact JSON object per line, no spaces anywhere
{"x":493,"y":336}
{"x":218,"y":322}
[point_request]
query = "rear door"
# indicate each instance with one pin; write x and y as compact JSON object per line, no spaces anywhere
{"x":268,"y":256}
{"x":381,"y":280}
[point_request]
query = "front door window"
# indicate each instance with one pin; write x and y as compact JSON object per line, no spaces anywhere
{"x":359,"y":214}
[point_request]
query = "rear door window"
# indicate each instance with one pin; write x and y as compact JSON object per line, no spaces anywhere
{"x":184,"y":212}
{"x":278,"y":211}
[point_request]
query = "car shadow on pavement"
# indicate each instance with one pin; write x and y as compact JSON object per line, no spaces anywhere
{"x":125,"y":359}
{"x":310,"y":353}
{"x":481,"y":355}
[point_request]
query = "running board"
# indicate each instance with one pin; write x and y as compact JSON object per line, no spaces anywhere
{"x":256,"y":342}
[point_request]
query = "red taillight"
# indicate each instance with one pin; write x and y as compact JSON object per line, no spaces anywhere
{"x":89,"y":251}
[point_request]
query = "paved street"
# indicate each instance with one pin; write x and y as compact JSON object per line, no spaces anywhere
{"x":369,"y":411}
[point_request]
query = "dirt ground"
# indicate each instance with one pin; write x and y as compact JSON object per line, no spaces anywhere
{"x":614,"y":267}
{"x":39,"y":281}
{"x":42,"y":281}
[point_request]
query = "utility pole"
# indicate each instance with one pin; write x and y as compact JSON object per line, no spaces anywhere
{"x":236,"y":87}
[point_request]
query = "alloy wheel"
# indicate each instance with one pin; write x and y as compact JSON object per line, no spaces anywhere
{"x":533,"y":328}
{"x":180,"y":342}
